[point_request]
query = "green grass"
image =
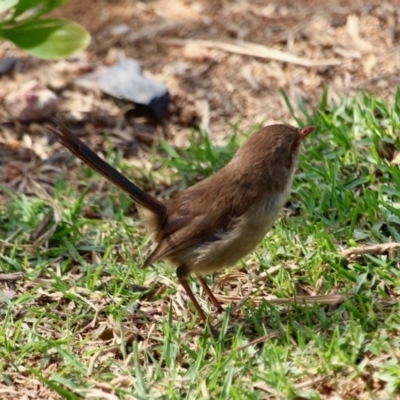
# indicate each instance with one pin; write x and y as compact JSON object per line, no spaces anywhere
{"x":87,"y":319}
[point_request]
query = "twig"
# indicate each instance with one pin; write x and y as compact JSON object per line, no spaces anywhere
{"x":13,"y":276}
{"x":380,"y":248}
{"x":26,"y":247}
{"x":253,"y":49}
{"x":318,"y":299}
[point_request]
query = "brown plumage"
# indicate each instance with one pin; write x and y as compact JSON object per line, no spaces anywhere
{"x":217,"y":221}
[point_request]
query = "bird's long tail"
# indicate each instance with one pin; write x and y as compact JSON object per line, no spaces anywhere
{"x":89,"y":157}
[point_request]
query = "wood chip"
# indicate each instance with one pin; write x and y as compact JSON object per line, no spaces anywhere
{"x":352,"y":27}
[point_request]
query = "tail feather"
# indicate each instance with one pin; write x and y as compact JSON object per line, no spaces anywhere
{"x":89,"y":157}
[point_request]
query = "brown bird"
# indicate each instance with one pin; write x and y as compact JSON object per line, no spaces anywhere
{"x":219,"y":220}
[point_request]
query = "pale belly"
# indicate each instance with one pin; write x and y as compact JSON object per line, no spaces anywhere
{"x":246,"y":234}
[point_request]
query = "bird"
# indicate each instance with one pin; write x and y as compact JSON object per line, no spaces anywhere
{"x":219,"y":220}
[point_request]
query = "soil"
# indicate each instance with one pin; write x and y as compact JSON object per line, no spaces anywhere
{"x":183,"y":43}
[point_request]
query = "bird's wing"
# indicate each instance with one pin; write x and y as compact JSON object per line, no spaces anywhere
{"x":187,"y":234}
{"x":197,"y":218}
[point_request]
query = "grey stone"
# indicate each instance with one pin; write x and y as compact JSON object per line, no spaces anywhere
{"x":125,"y":80}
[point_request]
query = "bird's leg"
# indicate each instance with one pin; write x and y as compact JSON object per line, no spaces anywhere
{"x":192,"y":297}
{"x":182,"y":273}
{"x":210,"y":294}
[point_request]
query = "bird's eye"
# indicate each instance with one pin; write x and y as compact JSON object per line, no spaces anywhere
{"x":293,"y":152}
{"x":295,"y":146}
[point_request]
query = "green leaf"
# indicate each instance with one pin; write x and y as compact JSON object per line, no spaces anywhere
{"x":50,"y":5}
{"x":49,"y":38}
{"x":46,"y":6}
{"x":24,"y":5}
{"x":7,"y":4}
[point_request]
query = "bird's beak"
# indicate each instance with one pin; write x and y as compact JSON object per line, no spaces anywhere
{"x":305,"y":132}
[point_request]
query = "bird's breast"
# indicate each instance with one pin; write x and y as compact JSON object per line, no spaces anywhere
{"x":245,"y":233}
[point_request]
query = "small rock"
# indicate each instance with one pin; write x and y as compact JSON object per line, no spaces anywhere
{"x":7,"y":65}
{"x":31,"y":102}
{"x":126,"y":81}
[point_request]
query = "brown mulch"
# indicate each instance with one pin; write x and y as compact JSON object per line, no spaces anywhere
{"x":185,"y":44}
